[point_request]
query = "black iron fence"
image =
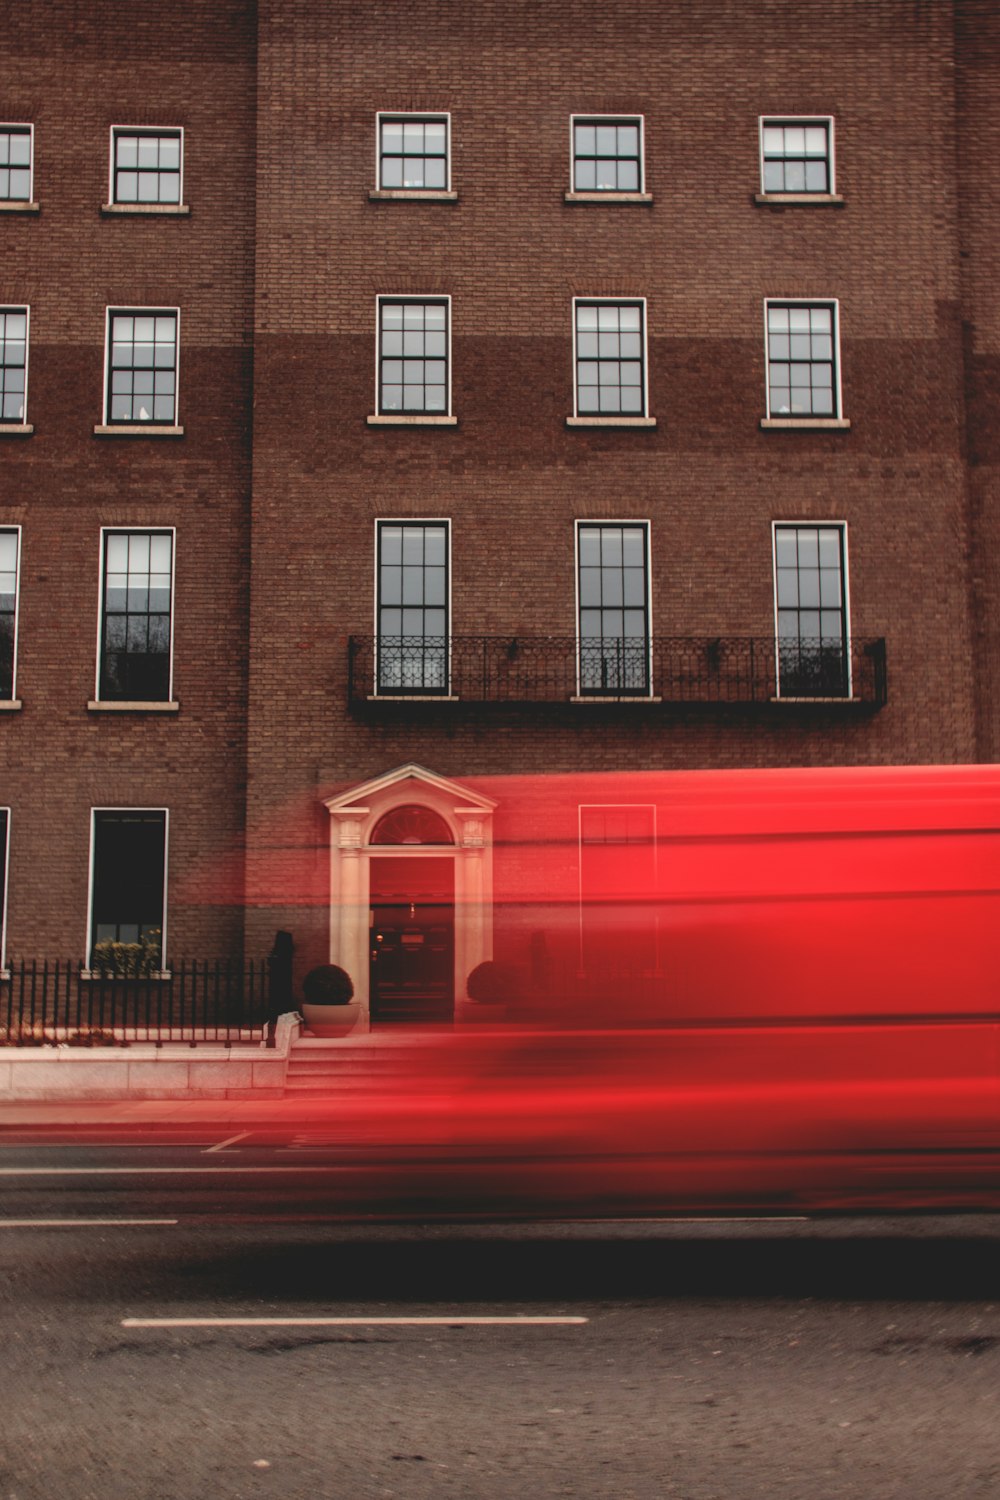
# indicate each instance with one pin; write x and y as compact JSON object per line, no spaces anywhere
{"x":194,"y":1001}
{"x":667,"y":669}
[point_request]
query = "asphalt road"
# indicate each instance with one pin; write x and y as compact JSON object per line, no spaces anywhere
{"x":820,"y":1358}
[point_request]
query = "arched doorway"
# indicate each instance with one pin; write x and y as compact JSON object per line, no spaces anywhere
{"x":411,"y":960}
{"x":408,"y":839}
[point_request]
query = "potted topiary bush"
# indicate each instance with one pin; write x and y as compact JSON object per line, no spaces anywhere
{"x":328,"y":1004}
{"x":492,"y":986}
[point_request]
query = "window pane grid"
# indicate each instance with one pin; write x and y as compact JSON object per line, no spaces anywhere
{"x":142,"y":367}
{"x":801,"y":360}
{"x":614,"y":617}
{"x":413,"y":357}
{"x":13,"y":362}
{"x":135,"y":627}
{"x":607,"y":156}
{"x":811,"y":612}
{"x":8,"y":610}
{"x":609,"y":359}
{"x":15,"y":164}
{"x":413,"y":153}
{"x":413,"y":627}
{"x":147,"y":167}
{"x":796,"y":156}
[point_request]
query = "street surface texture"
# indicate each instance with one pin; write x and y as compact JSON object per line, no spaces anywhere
{"x":719,"y":1360}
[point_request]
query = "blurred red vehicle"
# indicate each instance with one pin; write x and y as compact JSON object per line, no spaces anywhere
{"x":783,"y":1000}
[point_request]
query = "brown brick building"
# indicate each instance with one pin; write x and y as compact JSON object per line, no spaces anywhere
{"x":493,"y":390}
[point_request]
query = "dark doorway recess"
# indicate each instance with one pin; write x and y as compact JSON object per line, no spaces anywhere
{"x":412,"y":948}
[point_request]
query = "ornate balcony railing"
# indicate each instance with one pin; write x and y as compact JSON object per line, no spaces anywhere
{"x":668,"y":669}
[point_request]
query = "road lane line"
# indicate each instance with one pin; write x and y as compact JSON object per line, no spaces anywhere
{"x":450,"y":1321}
{"x":223,"y":1144}
{"x":82,"y":1223}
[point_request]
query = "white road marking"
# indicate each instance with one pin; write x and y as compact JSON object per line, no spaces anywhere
{"x":81,"y":1223}
{"x":452,"y":1320}
{"x":223,"y":1144}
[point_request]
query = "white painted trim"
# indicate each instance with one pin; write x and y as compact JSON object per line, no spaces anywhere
{"x":164,"y":967}
{"x":27,"y":125}
{"x":831,"y":302}
{"x":107,"y":426}
{"x":827,"y":120}
{"x":106,"y":531}
{"x":381,"y":521}
{"x":16,"y":307}
{"x":613,"y":418}
{"x":161,"y":130}
{"x":4,"y":886}
{"x":626,"y":119}
{"x":16,"y":531}
{"x":583,"y":807}
{"x":803,"y":521}
{"x":612,"y":521}
{"x":435,"y":117}
{"x":417,"y":297}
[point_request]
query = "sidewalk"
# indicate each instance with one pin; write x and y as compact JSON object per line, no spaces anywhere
{"x":207,"y":1116}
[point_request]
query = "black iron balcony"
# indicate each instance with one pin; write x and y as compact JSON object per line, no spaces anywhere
{"x":509,"y":669}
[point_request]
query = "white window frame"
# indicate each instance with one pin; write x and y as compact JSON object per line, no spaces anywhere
{"x":590,"y":696}
{"x":837,"y":416}
{"x":137,"y":207}
{"x":420,"y":520}
{"x":107,"y":531}
{"x":803,"y":197}
{"x":416,"y":418}
{"x":116,"y":808}
{"x":798,"y":522}
{"x":17,"y":609}
{"x":16,"y":307}
{"x":4,"y":887}
{"x":433,"y":116}
{"x":642,"y":418}
{"x":608,"y":194}
{"x":22,"y":203}
{"x":132,"y":311}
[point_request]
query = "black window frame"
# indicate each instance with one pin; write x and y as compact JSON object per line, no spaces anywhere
{"x":414,"y":118}
{"x":13,"y":365}
{"x":606,"y":342}
{"x":412,"y":663}
{"x":386,"y":361}
{"x":811,"y":663}
{"x":9,"y":616}
{"x":124,"y":133}
{"x":797,"y":158}
{"x":619,"y":157}
{"x":609,"y":663}
{"x":796,"y":360}
{"x":110,"y":394}
{"x":119,"y":905}
{"x":12,"y":130}
{"x":126,"y":674}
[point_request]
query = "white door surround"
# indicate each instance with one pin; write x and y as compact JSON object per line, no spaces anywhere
{"x":354,"y":815}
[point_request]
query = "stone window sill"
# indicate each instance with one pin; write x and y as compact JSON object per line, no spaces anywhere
{"x":9,"y":705}
{"x":413,"y":419}
{"x":139,"y":429}
{"x":412,"y":195}
{"x":16,"y":429}
{"x":800,"y":701}
{"x":811,"y":200}
{"x":130,"y":706}
{"x":171,"y":210}
{"x":638,"y":698}
{"x":787,"y":424}
{"x":610,"y":421}
{"x":14,"y":206}
{"x":413,"y":698}
{"x":607,"y":197}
